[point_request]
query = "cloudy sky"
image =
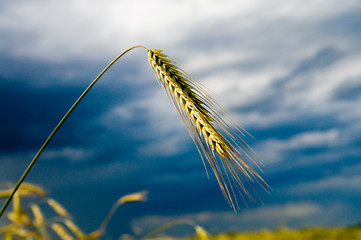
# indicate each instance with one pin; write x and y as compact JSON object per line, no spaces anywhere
{"x":287,"y":71}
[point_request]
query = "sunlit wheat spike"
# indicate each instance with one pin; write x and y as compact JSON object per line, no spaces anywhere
{"x":75,"y":229}
{"x":33,"y":189}
{"x":38,"y":215}
{"x":8,"y":236}
{"x":18,"y":232}
{"x":26,"y":189}
{"x":201,"y":233}
{"x":94,"y":235}
{"x":133,"y":197}
{"x":61,"y":231}
{"x":18,"y":215}
{"x":15,"y":215}
{"x":19,"y":218}
{"x":206,"y":123}
{"x":5,"y":193}
{"x":58,"y":208}
{"x":39,"y":221}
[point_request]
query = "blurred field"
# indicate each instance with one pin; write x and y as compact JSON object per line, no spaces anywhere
{"x":351,"y":233}
{"x":27,"y":220}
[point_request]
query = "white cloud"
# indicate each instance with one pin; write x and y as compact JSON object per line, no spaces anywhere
{"x":166,"y":146}
{"x":154,"y":108}
{"x":163,"y":125}
{"x":337,"y":183}
{"x":236,"y":89}
{"x":58,"y":30}
{"x":310,"y":94}
{"x":289,"y":210}
{"x":315,"y":139}
{"x":313,"y":92}
{"x":274,"y":150}
{"x":68,"y":153}
{"x":311,"y":9}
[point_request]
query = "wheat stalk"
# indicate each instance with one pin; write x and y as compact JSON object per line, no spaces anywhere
{"x":201,"y":114}
{"x":37,"y":155}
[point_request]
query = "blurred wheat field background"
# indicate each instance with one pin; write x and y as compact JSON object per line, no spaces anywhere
{"x":286,"y":72}
{"x":27,"y":220}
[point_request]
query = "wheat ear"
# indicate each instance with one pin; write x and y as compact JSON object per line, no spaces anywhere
{"x":201,"y":114}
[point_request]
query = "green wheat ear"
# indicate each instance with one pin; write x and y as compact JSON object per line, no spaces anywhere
{"x":201,"y":116}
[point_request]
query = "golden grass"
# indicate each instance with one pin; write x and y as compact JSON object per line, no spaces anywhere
{"x":26,"y":220}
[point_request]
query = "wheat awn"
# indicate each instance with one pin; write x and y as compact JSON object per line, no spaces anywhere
{"x":201,"y":114}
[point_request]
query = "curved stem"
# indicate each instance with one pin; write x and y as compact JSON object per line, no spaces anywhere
{"x":109,"y":216}
{"x":58,"y":126}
